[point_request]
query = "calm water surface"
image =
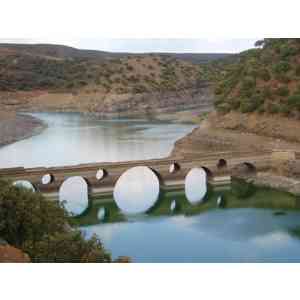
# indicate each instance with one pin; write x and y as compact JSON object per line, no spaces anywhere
{"x":181,"y":226}
{"x":72,"y":138}
{"x":247,"y":230}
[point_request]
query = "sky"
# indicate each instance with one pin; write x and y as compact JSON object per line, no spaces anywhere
{"x":149,"y":45}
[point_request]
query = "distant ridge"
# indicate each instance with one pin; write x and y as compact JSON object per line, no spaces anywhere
{"x":67,"y":52}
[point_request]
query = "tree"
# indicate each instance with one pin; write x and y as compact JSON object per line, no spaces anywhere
{"x":40,"y":228}
{"x":259,"y":43}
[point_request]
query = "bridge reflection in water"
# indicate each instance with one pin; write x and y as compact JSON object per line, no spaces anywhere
{"x":260,"y":198}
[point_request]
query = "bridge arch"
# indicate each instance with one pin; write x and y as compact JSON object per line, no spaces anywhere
{"x":174,"y":167}
{"x":222,"y":163}
{"x":47,"y":179}
{"x":74,"y":193}
{"x":251,"y":168}
{"x":244,"y":169}
{"x":101,"y":174}
{"x":209,"y":173}
{"x":137,"y":189}
{"x":158,"y":175}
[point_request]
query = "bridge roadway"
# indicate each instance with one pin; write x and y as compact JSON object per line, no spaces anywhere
{"x":218,"y":166}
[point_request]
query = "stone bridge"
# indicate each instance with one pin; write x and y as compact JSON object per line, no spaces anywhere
{"x":102,"y":177}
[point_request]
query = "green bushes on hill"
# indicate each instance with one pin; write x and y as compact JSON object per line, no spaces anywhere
{"x":263,"y":80}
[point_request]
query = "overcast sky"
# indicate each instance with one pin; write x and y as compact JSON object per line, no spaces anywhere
{"x":149,"y":45}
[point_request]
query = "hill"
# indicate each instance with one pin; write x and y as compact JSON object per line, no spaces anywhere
{"x":62,"y":69}
{"x":265,"y":80}
{"x":66,"y":52}
{"x":55,"y":77}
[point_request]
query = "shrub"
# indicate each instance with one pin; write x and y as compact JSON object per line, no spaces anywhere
{"x":219,"y":90}
{"x":247,"y":107}
{"x":273,"y":108}
{"x":223,"y":108}
{"x":294,"y":101}
{"x":266,"y":93}
{"x":261,"y":109}
{"x":235,"y":103}
{"x":297,"y":71}
{"x":39,"y":227}
{"x":283,"y":91}
{"x":282,"y":77}
{"x":284,"y":109}
{"x":251,"y":105}
{"x":281,"y":67}
{"x":248,"y":83}
{"x":129,"y":68}
{"x":264,"y":74}
{"x":286,"y":51}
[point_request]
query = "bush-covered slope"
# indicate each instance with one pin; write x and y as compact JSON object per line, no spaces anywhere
{"x":264,"y":79}
{"x":25,"y":71}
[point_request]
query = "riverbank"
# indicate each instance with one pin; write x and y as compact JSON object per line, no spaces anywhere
{"x":217,"y":133}
{"x":111,"y":104}
{"x":241,"y":132}
{"x":15,"y":127}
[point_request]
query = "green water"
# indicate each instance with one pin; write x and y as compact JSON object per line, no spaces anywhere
{"x":264,"y":227}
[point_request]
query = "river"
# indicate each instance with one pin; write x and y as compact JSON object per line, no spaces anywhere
{"x":263,"y":227}
{"x":73,"y":138}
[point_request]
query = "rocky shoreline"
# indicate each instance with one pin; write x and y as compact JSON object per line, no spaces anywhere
{"x":15,"y":127}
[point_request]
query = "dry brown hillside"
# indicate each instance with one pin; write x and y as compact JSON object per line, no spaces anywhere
{"x":57,"y":78}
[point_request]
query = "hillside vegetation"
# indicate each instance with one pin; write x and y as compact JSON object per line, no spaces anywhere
{"x":56,"y":67}
{"x":133,"y":74}
{"x":265,"y":80}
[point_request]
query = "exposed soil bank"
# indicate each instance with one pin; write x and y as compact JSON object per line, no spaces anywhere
{"x":274,"y":181}
{"x":237,"y":132}
{"x":110,"y":104}
{"x":14,"y":127}
{"x":240,"y":132}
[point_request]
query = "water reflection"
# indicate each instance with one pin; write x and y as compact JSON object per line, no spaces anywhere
{"x":73,"y":193}
{"x":246,"y":230}
{"x":173,"y":205}
{"x":24,"y":184}
{"x":101,"y":214}
{"x":196,"y":185}
{"x":136,"y":190}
